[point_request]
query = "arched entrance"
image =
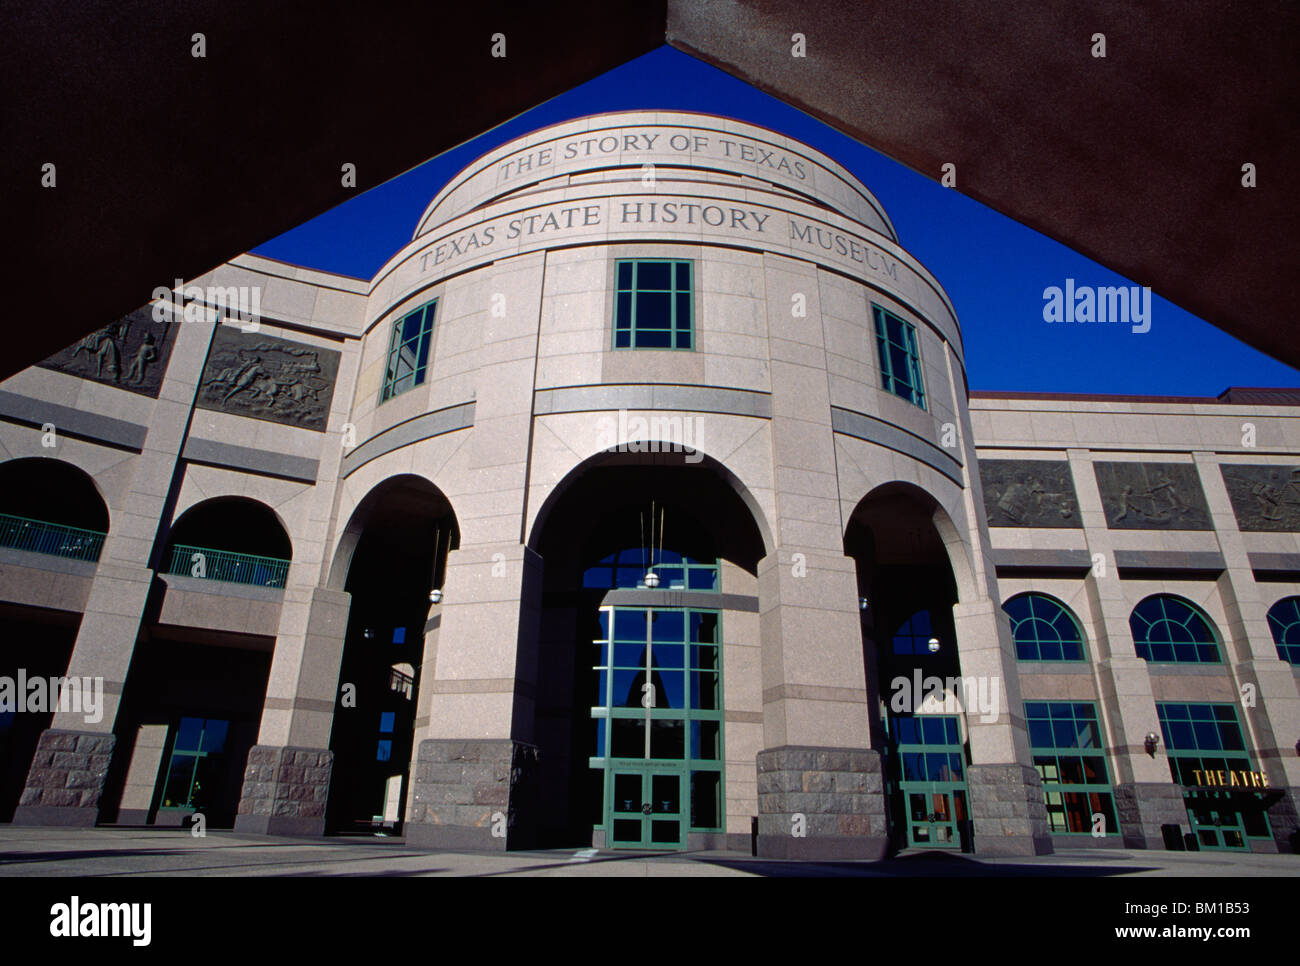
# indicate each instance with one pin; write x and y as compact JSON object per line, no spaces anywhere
{"x":906,"y":594}
{"x":54,"y":509}
{"x":391,"y":558}
{"x":649,"y":576}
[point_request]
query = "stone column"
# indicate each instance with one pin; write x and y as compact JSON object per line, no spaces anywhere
{"x":472,"y":779}
{"x":1146,"y":797}
{"x":1005,"y":795}
{"x":820,"y":790}
{"x":286,"y":780}
{"x":71,"y":764}
{"x":472,"y":774}
{"x":1007,"y":808}
{"x":287,"y":776}
{"x":1269,"y":705}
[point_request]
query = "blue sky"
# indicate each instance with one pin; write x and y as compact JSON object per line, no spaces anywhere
{"x":994,"y":269}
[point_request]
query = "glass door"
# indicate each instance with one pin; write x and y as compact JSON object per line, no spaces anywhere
{"x":646,"y":808}
{"x":658,"y":716}
{"x":932,"y":817}
{"x":1216,"y":822}
{"x":932,"y":779}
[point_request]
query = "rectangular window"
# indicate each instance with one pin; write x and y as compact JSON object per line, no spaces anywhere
{"x":900,"y":359}
{"x":1202,"y":739}
{"x":408,"y":351}
{"x":653,"y":304}
{"x":1065,"y":740}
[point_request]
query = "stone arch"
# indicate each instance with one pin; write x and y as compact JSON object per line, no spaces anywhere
{"x":45,"y":487}
{"x":665,"y":457}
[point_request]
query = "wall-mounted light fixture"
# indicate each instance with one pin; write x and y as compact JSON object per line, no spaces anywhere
{"x":933,"y":645}
{"x":863,"y":603}
{"x":1150,"y":741}
{"x":435,"y":596}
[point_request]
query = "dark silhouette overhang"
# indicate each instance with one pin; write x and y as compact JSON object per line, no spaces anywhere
{"x":168,"y":165}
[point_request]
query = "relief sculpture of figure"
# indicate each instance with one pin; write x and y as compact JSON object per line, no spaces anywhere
{"x":103,"y":346}
{"x":1291,"y":492}
{"x":1165,"y":487}
{"x":1128,"y":501}
{"x":143,"y":356}
{"x":244,"y":378}
{"x":1013,"y":502}
{"x":1269,"y":498}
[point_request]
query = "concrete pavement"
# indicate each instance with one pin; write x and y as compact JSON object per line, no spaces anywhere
{"x":147,"y":852}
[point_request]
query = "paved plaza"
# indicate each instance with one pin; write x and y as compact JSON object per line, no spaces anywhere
{"x":33,"y":851}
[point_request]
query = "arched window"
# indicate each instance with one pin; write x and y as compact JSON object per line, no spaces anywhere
{"x":627,"y":569}
{"x":1169,"y":629}
{"x":1044,"y":629}
{"x":914,"y":634}
{"x":1284,"y":622}
{"x":49,"y":506}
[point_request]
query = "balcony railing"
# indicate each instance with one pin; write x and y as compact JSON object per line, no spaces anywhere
{"x":235,"y":568}
{"x":37,"y":536}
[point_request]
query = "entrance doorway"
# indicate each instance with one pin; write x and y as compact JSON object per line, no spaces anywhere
{"x":658,"y":717}
{"x":906,"y":591}
{"x":1215,"y":823}
{"x":621,"y":652}
{"x":932,"y":779}
{"x":645,"y":807}
{"x":396,"y":548}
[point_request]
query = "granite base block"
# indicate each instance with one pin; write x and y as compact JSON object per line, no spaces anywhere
{"x":821,"y":803}
{"x":475,"y":795}
{"x":285,"y":791}
{"x":66,"y":779}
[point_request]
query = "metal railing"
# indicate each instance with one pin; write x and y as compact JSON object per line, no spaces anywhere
{"x":235,"y":568}
{"x":37,"y":536}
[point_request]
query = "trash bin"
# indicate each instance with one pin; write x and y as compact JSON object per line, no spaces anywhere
{"x":1173,"y":838}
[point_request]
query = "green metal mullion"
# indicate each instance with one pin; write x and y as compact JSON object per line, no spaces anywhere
{"x":636,"y":291}
{"x":394,"y":347}
{"x":882,"y":343}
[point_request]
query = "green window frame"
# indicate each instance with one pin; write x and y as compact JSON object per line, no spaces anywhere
{"x":626,"y":570}
{"x":408,"y":351}
{"x":193,"y":767}
{"x":1207,"y":737}
{"x":654,"y":303}
{"x":1170,"y":630}
{"x":680,"y":651}
{"x":1070,"y":757}
{"x":900,"y":357}
{"x":1284,"y":623}
{"x":1044,"y":629}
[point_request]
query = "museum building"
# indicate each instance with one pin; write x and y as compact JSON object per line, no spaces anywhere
{"x":639,"y":502}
